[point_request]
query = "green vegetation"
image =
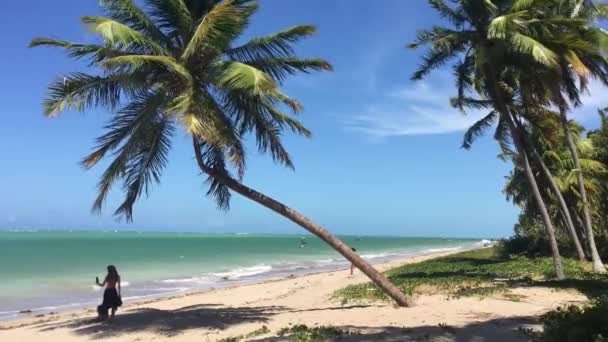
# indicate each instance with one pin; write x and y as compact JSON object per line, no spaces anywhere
{"x":479,"y":273}
{"x":576,"y":323}
{"x":258,"y":332}
{"x":303,"y":333}
{"x":296,"y":333}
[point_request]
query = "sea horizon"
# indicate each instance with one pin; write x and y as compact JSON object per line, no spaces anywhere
{"x":211,"y":232}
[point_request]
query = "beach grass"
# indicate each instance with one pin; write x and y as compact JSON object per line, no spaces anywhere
{"x":479,"y":273}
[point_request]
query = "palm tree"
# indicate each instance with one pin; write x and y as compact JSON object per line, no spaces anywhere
{"x":586,"y":61}
{"x":488,"y":42}
{"x":559,"y":161}
{"x":579,"y":53}
{"x":175,"y":63}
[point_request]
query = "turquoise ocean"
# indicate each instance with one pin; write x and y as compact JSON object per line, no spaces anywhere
{"x":46,"y":271}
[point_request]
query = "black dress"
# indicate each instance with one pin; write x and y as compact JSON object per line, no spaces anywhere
{"x":111,"y":300}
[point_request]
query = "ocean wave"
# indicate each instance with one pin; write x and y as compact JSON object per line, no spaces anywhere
{"x":243,"y":272}
{"x":445,"y":249}
{"x":374,"y":255}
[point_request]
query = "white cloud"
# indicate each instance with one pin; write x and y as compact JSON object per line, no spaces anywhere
{"x":423,"y":108}
{"x":593,"y":100}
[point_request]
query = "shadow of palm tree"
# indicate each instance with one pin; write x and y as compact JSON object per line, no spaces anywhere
{"x":495,"y":330}
{"x":441,"y":275}
{"x":591,"y":288}
{"x":168,"y":322}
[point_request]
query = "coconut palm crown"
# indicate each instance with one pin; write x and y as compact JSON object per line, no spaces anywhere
{"x":176,"y":63}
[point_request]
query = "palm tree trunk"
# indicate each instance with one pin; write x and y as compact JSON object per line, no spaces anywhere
{"x":598,"y":266}
{"x":557,"y":263}
{"x":556,"y":191}
{"x":501,"y":106}
{"x":378,"y":278}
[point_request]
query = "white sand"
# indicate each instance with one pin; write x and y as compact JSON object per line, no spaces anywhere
{"x":306,"y":300}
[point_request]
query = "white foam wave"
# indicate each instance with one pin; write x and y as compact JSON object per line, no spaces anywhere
{"x":373,"y":256}
{"x":243,"y":272}
{"x":446,"y":249}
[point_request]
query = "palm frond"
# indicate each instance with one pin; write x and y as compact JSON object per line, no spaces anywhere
{"x":146,"y":163}
{"x":81,"y":91}
{"x":454,"y":15}
{"x":522,"y":5}
{"x":128,"y":13}
{"x":134,"y":62}
{"x":240,"y":76}
{"x":121,"y":36}
{"x":283,"y":119}
{"x":94,"y":53}
{"x":172,"y":16}
{"x":214,"y":157}
{"x":146,"y":133}
{"x":280,"y":68}
{"x":464,"y":73}
{"x":478,"y":129}
{"x":434,"y":59}
{"x":278,"y":45}
{"x":219,"y":27}
{"x":136,"y":114}
{"x":528,"y":45}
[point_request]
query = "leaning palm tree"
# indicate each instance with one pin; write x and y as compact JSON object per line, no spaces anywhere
{"x":490,"y":36}
{"x":174,"y":63}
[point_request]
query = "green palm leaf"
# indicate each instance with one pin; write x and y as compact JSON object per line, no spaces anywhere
{"x":128,"y":13}
{"x":219,"y":27}
{"x":240,"y":76}
{"x":115,"y":34}
{"x":478,"y":129}
{"x":275,"y":46}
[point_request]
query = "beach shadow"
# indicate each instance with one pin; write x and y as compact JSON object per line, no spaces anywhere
{"x":591,"y":288}
{"x":167,"y":322}
{"x":495,"y":330}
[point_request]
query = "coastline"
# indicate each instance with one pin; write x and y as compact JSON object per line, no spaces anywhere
{"x":271,"y":277}
{"x":82,"y":296}
{"x":276,"y":303}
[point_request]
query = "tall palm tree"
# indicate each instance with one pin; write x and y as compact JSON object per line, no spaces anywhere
{"x":484,"y":36}
{"x":175,"y":63}
{"x":580,"y":62}
{"x":577,"y":46}
{"x":559,"y":161}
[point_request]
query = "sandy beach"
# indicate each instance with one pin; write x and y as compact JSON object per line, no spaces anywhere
{"x":240,"y":310}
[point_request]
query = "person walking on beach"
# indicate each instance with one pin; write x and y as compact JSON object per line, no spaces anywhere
{"x":111,"y":295}
{"x":352,"y":266}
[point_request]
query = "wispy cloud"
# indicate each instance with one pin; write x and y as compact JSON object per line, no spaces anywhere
{"x":594,"y":99}
{"x":422,"y":108}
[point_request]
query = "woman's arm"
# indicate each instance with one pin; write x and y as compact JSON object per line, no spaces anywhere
{"x":119,"y":287}
{"x":102,"y":284}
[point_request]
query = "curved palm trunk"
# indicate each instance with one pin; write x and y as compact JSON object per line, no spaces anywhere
{"x":557,"y":263}
{"x":378,"y":278}
{"x":517,"y":140}
{"x":556,"y":191}
{"x":598,"y":266}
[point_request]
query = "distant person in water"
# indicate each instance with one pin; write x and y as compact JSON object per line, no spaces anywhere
{"x":111,"y":295}
{"x":352,"y":266}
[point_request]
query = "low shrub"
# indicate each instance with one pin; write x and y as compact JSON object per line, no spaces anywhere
{"x":574,"y":323}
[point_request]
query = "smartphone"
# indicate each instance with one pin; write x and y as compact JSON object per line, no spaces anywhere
{"x":96,"y":280}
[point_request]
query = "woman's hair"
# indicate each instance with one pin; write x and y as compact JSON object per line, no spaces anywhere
{"x":112,"y":273}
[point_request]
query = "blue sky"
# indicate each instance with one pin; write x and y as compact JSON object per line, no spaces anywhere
{"x":384,"y":159}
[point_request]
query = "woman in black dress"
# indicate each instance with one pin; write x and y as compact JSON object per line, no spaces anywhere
{"x":111,"y":295}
